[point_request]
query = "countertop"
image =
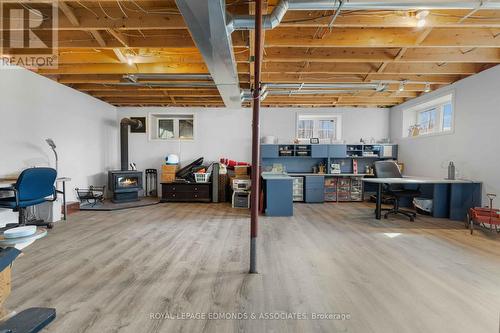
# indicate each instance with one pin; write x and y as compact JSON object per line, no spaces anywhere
{"x":419,"y":180}
{"x":292,"y":174}
{"x":275,"y":176}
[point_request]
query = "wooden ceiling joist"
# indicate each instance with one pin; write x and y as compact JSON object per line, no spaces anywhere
{"x":102,"y":41}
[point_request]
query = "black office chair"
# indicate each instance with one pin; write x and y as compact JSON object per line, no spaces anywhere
{"x":389,"y":169}
{"x":33,"y":187}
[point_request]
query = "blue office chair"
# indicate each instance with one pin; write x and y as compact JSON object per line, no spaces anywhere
{"x":33,"y":187}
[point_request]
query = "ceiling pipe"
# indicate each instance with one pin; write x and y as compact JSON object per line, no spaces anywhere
{"x":353,"y":86}
{"x":195,"y":84}
{"x":153,"y":76}
{"x":282,"y":89}
{"x":272,"y":20}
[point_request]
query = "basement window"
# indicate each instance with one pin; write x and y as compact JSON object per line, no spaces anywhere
{"x":430,"y":118}
{"x":172,"y":126}
{"x":327,"y":128}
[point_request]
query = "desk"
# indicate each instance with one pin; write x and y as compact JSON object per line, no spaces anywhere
{"x":451,"y":197}
{"x":10,"y":181}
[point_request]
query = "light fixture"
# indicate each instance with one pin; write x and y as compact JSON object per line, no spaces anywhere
{"x":427,"y":87}
{"x":421,"y":16}
{"x":130,"y":60}
{"x":392,"y":234}
{"x":401,"y":86}
{"x":421,"y":23}
{"x":52,"y":145}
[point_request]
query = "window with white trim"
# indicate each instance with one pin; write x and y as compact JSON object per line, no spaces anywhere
{"x":172,"y":126}
{"x":327,"y":128}
{"x":429,"y":118}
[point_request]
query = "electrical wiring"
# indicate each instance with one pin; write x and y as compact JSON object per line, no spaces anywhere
{"x":106,"y":14}
{"x":87,"y":8}
{"x":120,"y":6}
{"x":152,"y":12}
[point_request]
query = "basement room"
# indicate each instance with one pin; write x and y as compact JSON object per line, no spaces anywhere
{"x":249,"y":166}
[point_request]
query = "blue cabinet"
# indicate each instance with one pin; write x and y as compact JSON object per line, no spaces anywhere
{"x":337,"y":151}
{"x":269,"y":151}
{"x":314,"y":189}
{"x":279,"y":196}
{"x":319,"y":151}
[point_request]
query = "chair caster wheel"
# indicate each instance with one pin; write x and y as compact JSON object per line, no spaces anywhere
{"x":50,"y":225}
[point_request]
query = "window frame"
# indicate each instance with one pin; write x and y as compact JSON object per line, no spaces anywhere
{"x":337,"y":118}
{"x":411,"y":116}
{"x":155,"y":118}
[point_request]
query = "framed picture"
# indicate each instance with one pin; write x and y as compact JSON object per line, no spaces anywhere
{"x":140,"y":130}
{"x":314,"y":141}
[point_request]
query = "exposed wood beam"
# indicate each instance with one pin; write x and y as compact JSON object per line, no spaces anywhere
{"x":293,"y":19}
{"x":356,"y":37}
{"x":98,"y":37}
{"x":421,"y":54}
{"x":124,"y":69}
{"x":362,"y":68}
{"x":120,"y":56}
{"x":120,"y":37}
{"x":69,"y":13}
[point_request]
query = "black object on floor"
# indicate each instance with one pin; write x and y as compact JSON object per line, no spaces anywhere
{"x":151,"y":183}
{"x":31,"y":320}
{"x":108,"y":205}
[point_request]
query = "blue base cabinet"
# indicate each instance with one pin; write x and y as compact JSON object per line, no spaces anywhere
{"x":279,"y":196}
{"x":314,"y":189}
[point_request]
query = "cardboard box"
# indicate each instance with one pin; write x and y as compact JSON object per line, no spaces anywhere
{"x":241,"y":170}
{"x":168,"y":169}
{"x":167,"y":178}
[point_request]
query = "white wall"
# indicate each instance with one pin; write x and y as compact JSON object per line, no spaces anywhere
{"x":221,"y":132}
{"x":84,"y":129}
{"x":473,"y":145}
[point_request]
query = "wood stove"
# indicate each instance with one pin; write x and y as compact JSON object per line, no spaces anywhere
{"x":125,"y":185}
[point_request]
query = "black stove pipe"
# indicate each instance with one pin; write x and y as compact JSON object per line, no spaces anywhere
{"x":124,"y":124}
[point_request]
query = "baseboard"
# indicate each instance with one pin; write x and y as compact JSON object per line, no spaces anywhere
{"x":72,"y":207}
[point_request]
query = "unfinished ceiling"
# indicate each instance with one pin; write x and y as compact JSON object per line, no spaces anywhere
{"x":141,"y":53}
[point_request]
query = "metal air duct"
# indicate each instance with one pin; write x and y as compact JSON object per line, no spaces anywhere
{"x":206,"y":21}
{"x":271,"y":21}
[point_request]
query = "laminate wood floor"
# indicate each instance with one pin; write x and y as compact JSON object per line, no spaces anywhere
{"x":113,"y":271}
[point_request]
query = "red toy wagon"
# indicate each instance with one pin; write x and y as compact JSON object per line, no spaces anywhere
{"x":487,"y":217}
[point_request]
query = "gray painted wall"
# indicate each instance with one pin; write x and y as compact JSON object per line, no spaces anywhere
{"x":474,"y":143}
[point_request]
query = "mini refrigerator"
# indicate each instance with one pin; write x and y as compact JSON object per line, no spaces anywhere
{"x":298,"y":188}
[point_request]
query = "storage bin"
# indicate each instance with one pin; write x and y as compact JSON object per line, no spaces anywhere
{"x":423,"y":204}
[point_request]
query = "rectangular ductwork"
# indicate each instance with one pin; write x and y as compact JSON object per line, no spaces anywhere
{"x":206,"y":20}
{"x":272,"y":20}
